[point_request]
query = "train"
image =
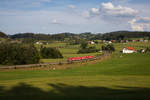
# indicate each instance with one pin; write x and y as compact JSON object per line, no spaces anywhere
{"x":80,"y":58}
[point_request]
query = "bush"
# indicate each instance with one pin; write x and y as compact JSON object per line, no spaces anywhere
{"x":147,"y":49}
{"x":3,"y":35}
{"x":50,"y":53}
{"x":109,"y":48}
{"x":14,"y":54}
{"x":84,"y":45}
{"x":88,"y":50}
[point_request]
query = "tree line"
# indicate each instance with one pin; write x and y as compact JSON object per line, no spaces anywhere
{"x":117,"y":35}
{"x":3,"y":35}
{"x":19,"y":53}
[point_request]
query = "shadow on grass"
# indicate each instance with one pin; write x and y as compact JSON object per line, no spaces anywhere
{"x":66,"y":92}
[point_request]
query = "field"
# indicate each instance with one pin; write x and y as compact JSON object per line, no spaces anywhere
{"x":68,"y":51}
{"x":119,"y":77}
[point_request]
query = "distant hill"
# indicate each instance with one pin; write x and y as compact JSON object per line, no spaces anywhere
{"x":117,"y":35}
{"x":3,"y":35}
{"x":60,"y":36}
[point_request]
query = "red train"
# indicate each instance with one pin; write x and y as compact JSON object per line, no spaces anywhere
{"x":80,"y":58}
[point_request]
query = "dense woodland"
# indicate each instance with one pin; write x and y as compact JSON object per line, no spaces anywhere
{"x":3,"y":35}
{"x":118,"y":35}
{"x":14,"y":54}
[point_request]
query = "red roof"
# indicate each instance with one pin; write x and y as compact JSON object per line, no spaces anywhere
{"x":130,"y":48}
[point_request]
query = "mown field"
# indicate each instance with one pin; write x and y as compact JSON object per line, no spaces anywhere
{"x":120,"y":77}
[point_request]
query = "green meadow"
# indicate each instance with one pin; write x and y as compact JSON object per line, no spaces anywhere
{"x":119,"y":77}
{"x":68,"y":51}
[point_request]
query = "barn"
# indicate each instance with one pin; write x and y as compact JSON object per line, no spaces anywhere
{"x":128,"y":50}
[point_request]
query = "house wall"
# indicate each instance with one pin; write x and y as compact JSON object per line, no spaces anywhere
{"x":128,"y":51}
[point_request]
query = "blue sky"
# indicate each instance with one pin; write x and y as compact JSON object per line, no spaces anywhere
{"x":77,"y":16}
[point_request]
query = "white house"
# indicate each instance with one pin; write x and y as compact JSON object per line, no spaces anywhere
{"x":110,"y":42}
{"x":128,"y":50}
{"x":145,"y":40}
{"x":91,"y":42}
{"x":39,"y":42}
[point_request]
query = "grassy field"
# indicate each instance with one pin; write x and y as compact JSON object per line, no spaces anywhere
{"x":68,"y":51}
{"x":71,"y":50}
{"x":123,"y":77}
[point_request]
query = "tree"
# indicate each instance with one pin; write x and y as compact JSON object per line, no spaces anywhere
{"x":50,"y":53}
{"x":15,"y":54}
{"x":88,"y":50}
{"x":3,"y":35}
{"x":84,"y":45}
{"x":109,"y":48}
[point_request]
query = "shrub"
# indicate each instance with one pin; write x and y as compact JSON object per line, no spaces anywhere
{"x":84,"y":45}
{"x":109,"y":48}
{"x":88,"y":50}
{"x":3,"y":35}
{"x":14,"y":54}
{"x":147,"y":49}
{"x":50,"y":53}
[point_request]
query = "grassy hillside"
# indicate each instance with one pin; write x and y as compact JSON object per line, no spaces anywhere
{"x":124,"y":77}
{"x":133,"y":64}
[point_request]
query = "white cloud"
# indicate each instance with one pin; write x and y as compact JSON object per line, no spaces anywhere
{"x":144,"y":20}
{"x":120,"y":0}
{"x":72,"y":6}
{"x":54,"y":21}
{"x":110,"y":12}
{"x":46,"y":0}
{"x":118,"y":11}
{"x":86,"y":14}
{"x":138,"y":27}
{"x":140,"y":24}
{"x":108,"y":5}
{"x":95,"y":11}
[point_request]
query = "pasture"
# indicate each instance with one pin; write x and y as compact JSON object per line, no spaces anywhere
{"x":71,"y":50}
{"x":120,"y":77}
{"x":68,"y":51}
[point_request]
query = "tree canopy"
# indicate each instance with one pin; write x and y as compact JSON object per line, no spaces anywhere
{"x":50,"y":53}
{"x":15,"y":54}
{"x":3,"y":35}
{"x":118,"y":35}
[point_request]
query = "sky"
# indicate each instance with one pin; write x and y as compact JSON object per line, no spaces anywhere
{"x":75,"y":16}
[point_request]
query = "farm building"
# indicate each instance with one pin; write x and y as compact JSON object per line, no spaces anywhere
{"x":110,"y":42}
{"x":39,"y":42}
{"x":91,"y":42}
{"x":128,"y":50}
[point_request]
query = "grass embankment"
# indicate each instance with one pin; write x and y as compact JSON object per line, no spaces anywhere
{"x":124,"y":77}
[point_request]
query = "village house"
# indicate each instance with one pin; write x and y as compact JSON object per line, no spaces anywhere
{"x":141,"y":40}
{"x":127,"y":41}
{"x":128,"y":50}
{"x":91,"y":42}
{"x":134,"y":40}
{"x":104,"y":41}
{"x":39,"y":42}
{"x":113,"y":41}
{"x":109,"y":42}
{"x":145,"y":40}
